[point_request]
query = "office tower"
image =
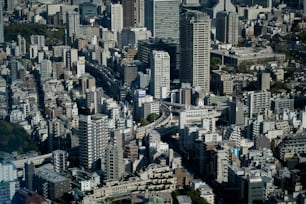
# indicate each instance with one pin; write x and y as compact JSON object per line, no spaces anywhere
{"x":145,"y":48}
{"x":195,"y":49}
{"x":80,"y":67}
{"x":227,"y":27}
{"x":29,"y":169}
{"x":236,"y":113}
{"x":133,"y":12}
{"x":1,"y":22}
{"x":114,"y":165}
{"x":162,"y":18}
{"x":259,"y":102}
{"x":160,"y":74}
{"x":22,"y":45}
{"x":116,"y":17}
{"x":60,"y":160}
{"x":128,"y":7}
{"x":212,"y":7}
{"x":93,"y":135}
{"x":73,"y":25}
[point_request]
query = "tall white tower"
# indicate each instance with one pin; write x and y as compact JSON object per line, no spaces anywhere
{"x":116,"y":17}
{"x":94,"y":135}
{"x":160,"y":74}
{"x":195,"y":49}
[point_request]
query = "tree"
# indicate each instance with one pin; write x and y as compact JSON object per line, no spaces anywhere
{"x":152,"y":117}
{"x":143,"y":122}
{"x":215,"y":61}
{"x":14,"y":138}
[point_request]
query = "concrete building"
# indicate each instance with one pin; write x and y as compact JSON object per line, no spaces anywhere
{"x":264,"y":81}
{"x":162,"y":18}
{"x":116,"y":18}
{"x":160,"y":74}
{"x":60,"y":160}
{"x":145,"y":48}
{"x":73,"y":25}
{"x":227,"y":27}
{"x":280,"y":104}
{"x":131,"y":36}
{"x":133,"y":11}
{"x":258,"y":102}
{"x":81,"y":66}
{"x":212,"y":7}
{"x":113,"y":166}
{"x":195,"y":49}
{"x":9,"y":183}
{"x":50,"y":184}
{"x":94,"y":134}
{"x":290,"y":146}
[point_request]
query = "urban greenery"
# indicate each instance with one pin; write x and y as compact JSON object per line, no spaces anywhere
{"x":26,"y":30}
{"x":13,"y":138}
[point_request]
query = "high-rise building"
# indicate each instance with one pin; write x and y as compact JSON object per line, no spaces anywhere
{"x":162,"y":18}
{"x":160,"y":74}
{"x":39,"y":40}
{"x":9,"y":183}
{"x":81,"y":66}
{"x":145,"y":48}
{"x":227,"y":27}
{"x":60,"y":160}
{"x":73,"y":25}
{"x":114,"y":165}
{"x":94,"y":134}
{"x":22,"y":45}
{"x":133,"y":12}
{"x":29,"y":169}
{"x":195,"y":49}
{"x":45,"y":68}
{"x":116,"y":17}
{"x":1,"y":22}
{"x":259,"y":102}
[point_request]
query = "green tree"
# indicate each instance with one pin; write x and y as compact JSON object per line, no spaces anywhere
{"x":143,"y":122}
{"x":214,"y":62}
{"x":14,"y":138}
{"x":152,"y":117}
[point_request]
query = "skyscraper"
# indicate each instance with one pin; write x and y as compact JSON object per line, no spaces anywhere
{"x":160,"y":74}
{"x":133,"y":12}
{"x":94,"y":134}
{"x":162,"y":18}
{"x":1,"y":22}
{"x":227,"y":27}
{"x":195,"y":49}
{"x":116,"y":17}
{"x":73,"y":25}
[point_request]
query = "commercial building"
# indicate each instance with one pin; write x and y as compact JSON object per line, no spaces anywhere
{"x":160,"y":74}
{"x":258,"y":102}
{"x":195,"y":49}
{"x":93,"y":135}
{"x":162,"y":18}
{"x":227,"y":27}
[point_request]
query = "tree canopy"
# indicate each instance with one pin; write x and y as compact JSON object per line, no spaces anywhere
{"x":14,"y":138}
